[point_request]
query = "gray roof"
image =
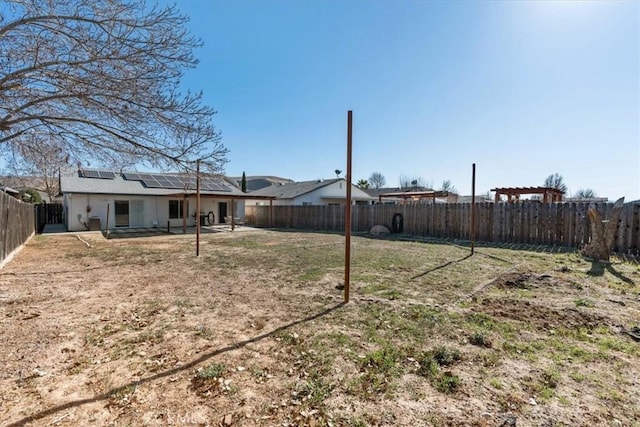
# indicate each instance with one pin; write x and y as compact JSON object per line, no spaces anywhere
{"x":119,"y":185}
{"x":295,"y":189}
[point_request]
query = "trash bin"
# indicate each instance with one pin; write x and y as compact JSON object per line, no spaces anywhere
{"x":203,"y":218}
{"x":397,"y":223}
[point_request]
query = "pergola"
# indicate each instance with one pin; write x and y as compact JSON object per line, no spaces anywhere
{"x":513,"y":194}
{"x":414,"y":195}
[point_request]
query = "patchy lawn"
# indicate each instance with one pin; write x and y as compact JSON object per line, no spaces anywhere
{"x":253,"y":332}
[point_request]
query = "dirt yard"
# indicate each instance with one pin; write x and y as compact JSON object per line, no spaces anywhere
{"x":141,"y":332}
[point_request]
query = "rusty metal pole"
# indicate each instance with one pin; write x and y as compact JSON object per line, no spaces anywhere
{"x":233,"y":215}
{"x":473,"y":208}
{"x":347,"y":220}
{"x":270,"y":213}
{"x":198,"y":207}
{"x":106,"y":230}
{"x":185,"y":213}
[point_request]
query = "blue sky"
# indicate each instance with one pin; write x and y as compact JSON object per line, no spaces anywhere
{"x":523,"y":89}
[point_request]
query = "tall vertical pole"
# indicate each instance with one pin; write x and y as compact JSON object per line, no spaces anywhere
{"x":473,"y":208}
{"x":347,"y":219}
{"x":198,"y":207}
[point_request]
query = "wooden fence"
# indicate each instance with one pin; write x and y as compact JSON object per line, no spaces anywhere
{"x":17,"y":224}
{"x":561,"y":224}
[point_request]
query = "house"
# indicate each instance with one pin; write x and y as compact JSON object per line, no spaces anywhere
{"x":10,"y":191}
{"x":411,"y":195}
{"x":317,"y":192}
{"x":134,"y":199}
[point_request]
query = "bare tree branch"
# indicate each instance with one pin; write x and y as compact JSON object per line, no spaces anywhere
{"x":99,"y":80}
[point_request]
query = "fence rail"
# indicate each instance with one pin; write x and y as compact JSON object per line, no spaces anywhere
{"x":17,"y":224}
{"x":561,"y":224}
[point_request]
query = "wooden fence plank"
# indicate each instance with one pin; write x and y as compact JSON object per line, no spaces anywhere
{"x":563,"y":224}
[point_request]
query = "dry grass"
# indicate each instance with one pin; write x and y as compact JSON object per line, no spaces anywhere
{"x":140,"y":332}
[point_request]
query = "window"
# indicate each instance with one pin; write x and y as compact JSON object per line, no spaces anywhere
{"x":176,"y":208}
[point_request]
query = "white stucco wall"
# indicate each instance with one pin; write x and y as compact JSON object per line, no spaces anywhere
{"x":155,"y":211}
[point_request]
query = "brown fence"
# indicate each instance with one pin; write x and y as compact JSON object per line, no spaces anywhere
{"x":561,"y":224}
{"x":17,"y":224}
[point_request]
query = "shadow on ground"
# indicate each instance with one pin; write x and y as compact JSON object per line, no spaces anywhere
{"x":203,"y":358}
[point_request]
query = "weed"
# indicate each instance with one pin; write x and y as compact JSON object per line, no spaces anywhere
{"x":446,"y":356}
{"x":215,"y":370}
{"x":551,"y":378}
{"x":496,"y":383}
{"x":577,"y":376}
{"x":584,"y":303}
{"x":480,"y":339}
{"x":447,"y":383}
{"x":428,"y":367}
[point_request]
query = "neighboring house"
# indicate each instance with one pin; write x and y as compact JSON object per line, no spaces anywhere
{"x":317,"y":192}
{"x":397,"y":195}
{"x":479,"y":199}
{"x":10,"y":191}
{"x":135,"y":199}
{"x":258,"y":182}
{"x":22,"y":183}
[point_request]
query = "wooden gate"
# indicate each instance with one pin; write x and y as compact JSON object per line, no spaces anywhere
{"x":48,"y":213}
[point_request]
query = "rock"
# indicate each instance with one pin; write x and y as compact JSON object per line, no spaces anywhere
{"x":228,"y":420}
{"x":532,"y":401}
{"x":379,"y":230}
{"x":508,"y":420}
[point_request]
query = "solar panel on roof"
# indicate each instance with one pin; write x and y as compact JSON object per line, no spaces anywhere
{"x":151,"y":183}
{"x":132,"y":176}
{"x":92,"y":173}
{"x":88,"y":173}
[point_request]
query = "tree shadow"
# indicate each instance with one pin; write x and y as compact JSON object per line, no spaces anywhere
{"x":163,"y":374}
{"x":446,"y":264}
{"x":598,"y":269}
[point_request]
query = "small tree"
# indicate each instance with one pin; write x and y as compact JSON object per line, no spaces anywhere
{"x":556,"y":181}
{"x":243,"y":183}
{"x":30,"y":195}
{"x":448,"y":186}
{"x":363,"y":183}
{"x":377,"y":180}
{"x":585,"y":193}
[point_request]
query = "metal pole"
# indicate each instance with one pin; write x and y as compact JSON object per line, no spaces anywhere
{"x":347,"y":220}
{"x":473,"y":208}
{"x":106,"y":230}
{"x":198,"y":207}
{"x":233,"y":216}
{"x":185,"y":212}
{"x":270,"y":213}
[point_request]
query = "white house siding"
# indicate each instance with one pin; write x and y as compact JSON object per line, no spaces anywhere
{"x":155,"y":210}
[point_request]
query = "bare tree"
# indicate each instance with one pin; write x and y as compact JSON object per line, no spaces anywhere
{"x":377,"y":180}
{"x":408,"y":182}
{"x":448,"y":186}
{"x":101,"y":79}
{"x":585,"y":193}
{"x":43,"y":160}
{"x":556,"y":181}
